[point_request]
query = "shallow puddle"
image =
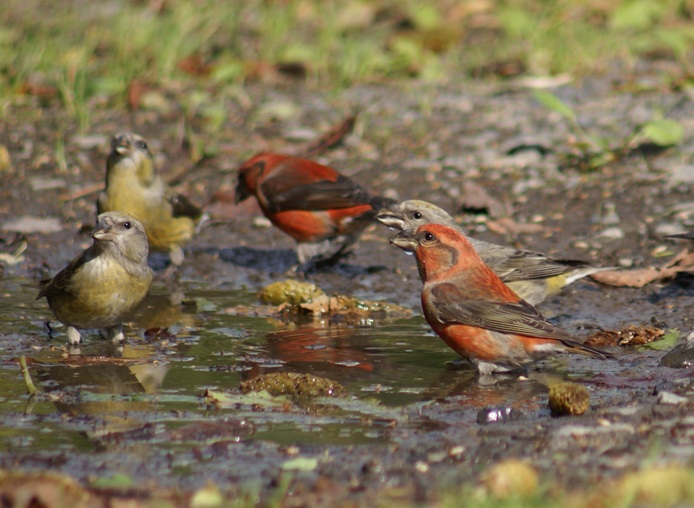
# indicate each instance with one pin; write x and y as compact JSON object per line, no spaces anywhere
{"x":171,"y":394}
{"x":176,"y":352}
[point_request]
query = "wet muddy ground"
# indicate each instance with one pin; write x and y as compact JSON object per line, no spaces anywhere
{"x":413,"y":426}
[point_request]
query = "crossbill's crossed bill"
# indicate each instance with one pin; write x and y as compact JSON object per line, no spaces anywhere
{"x":473,"y":311}
{"x":323,"y":210}
{"x":133,"y":186}
{"x":532,"y":275}
{"x":102,"y":286}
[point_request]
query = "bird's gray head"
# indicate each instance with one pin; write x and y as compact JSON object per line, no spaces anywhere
{"x":121,"y":234}
{"x":130,"y":152}
{"x":414,"y":213}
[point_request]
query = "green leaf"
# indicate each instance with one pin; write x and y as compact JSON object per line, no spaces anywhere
{"x":636,"y":14}
{"x":553,"y":103}
{"x":663,"y":132}
{"x":232,"y":400}
{"x":115,"y":481}
{"x":667,"y":341}
{"x":301,"y":464}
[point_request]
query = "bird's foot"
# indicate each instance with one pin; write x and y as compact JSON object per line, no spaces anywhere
{"x":74,"y":336}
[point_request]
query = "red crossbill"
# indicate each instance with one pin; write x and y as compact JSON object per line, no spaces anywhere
{"x":323,"y":210}
{"x":532,"y":275}
{"x":99,"y":288}
{"x":473,"y":311}
{"x":133,"y":186}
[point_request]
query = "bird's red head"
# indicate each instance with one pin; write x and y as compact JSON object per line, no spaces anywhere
{"x":249,"y":176}
{"x":438,"y":249}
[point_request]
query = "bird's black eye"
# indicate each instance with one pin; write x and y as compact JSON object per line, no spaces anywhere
{"x":142,"y":145}
{"x":417,"y":215}
{"x":428,"y":236}
{"x":127,"y":225}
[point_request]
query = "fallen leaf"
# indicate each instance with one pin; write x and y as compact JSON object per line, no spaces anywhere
{"x":194,"y":65}
{"x":666,"y":342}
{"x":630,"y":335}
{"x":301,"y":464}
{"x":136,"y":89}
{"x":639,"y":277}
{"x":28,"y":224}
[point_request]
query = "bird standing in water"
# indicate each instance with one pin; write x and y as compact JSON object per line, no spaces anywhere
{"x":100,"y":288}
{"x":473,"y":311}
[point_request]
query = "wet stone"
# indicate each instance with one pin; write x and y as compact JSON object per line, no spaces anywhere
{"x":497,"y":414}
{"x":682,"y":356}
{"x":671,"y":398}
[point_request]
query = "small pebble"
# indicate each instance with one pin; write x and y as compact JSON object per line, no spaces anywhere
{"x":671,"y":398}
{"x":625,"y":262}
{"x":261,"y":223}
{"x":613,"y":233}
{"x":496,"y":414}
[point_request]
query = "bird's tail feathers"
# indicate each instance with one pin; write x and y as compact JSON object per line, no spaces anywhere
{"x":577,"y":347}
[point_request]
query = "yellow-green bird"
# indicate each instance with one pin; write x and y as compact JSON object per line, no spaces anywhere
{"x":531,"y":275}
{"x":100,"y":287}
{"x":133,"y":186}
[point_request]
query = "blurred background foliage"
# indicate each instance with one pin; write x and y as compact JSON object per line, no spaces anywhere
{"x":77,"y":51}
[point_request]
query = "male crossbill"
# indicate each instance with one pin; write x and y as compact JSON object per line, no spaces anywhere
{"x":133,"y":186}
{"x":323,"y":210}
{"x":99,"y":288}
{"x":473,"y":311}
{"x":532,"y":275}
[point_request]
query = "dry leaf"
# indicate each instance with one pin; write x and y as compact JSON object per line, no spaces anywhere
{"x":630,"y":335}
{"x":27,"y":224}
{"x":639,"y":277}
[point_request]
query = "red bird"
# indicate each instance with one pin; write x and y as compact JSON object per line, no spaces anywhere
{"x":314,"y":204}
{"x":473,"y":311}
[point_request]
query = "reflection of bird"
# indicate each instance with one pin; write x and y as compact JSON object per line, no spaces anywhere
{"x":133,"y":186}
{"x":314,"y":204}
{"x":532,"y":275}
{"x":106,"y":282}
{"x":473,"y":311}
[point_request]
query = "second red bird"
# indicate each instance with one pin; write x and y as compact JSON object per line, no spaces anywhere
{"x":323,"y":210}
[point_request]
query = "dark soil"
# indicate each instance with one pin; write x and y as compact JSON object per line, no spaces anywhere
{"x":428,"y":143}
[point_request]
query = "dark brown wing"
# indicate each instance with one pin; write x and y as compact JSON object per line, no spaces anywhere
{"x":61,"y":281}
{"x":506,"y":317}
{"x":283,"y":194}
{"x":525,"y":265}
{"x":183,"y":207}
{"x":519,"y":318}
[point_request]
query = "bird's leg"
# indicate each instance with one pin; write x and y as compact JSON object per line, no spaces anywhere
{"x":74,"y":336}
{"x":171,"y":273}
{"x":115,"y":334}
